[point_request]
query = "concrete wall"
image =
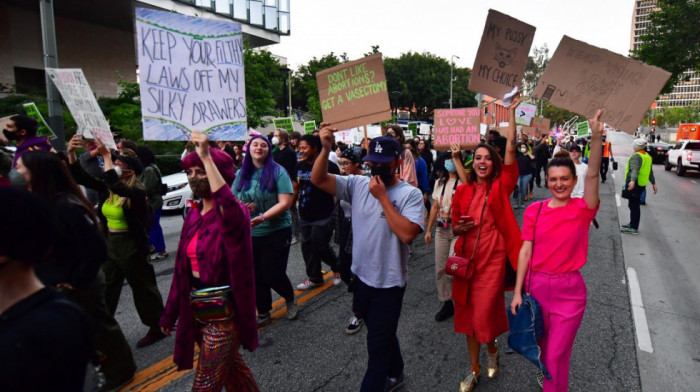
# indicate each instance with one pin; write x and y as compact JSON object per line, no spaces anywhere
{"x":99,"y":51}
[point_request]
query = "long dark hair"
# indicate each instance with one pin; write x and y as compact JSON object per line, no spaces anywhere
{"x":497,"y":164}
{"x":51,"y":180}
{"x":268,"y":178}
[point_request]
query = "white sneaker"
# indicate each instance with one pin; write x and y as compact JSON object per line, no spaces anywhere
{"x":354,"y":325}
{"x":336,"y":279}
{"x":308,"y":284}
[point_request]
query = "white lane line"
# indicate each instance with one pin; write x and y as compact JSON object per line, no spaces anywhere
{"x":613,"y":175}
{"x":618,"y":201}
{"x":693,"y":181}
{"x":640,"y":318}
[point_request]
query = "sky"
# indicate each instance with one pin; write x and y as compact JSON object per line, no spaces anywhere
{"x":443,"y":27}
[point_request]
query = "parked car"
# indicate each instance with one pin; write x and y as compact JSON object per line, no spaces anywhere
{"x":658,"y":151}
{"x":685,"y":155}
{"x":178,"y":191}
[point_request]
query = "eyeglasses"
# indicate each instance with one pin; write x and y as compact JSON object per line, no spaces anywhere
{"x":347,"y":163}
{"x":200,"y":173}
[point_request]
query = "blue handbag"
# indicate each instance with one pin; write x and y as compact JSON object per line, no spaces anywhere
{"x":527,"y":326}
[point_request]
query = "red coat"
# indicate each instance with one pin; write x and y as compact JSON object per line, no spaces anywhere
{"x":499,"y":206}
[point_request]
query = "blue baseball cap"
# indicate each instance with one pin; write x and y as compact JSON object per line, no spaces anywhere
{"x":382,"y":150}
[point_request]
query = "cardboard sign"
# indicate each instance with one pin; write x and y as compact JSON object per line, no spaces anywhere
{"x":191,"y":76}
{"x":424,"y":129}
{"x":583,"y":78}
{"x":538,"y":126}
{"x":347,"y":136}
{"x":355,"y":93}
{"x":524,"y":113}
{"x":459,"y":126}
{"x":309,"y":126}
{"x":500,"y":62}
{"x":44,"y":130}
{"x":76,"y":92}
{"x":284,"y":123}
{"x":582,"y":129}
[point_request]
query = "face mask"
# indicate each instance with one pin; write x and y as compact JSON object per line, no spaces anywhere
{"x":200,"y":188}
{"x":275,"y":141}
{"x":384,"y":172}
{"x":450,"y":166}
{"x":17,"y":180}
{"x":523,"y":150}
{"x":9,"y":135}
{"x":119,"y":171}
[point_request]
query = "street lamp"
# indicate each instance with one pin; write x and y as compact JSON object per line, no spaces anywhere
{"x":396,"y":102}
{"x":452,"y":79}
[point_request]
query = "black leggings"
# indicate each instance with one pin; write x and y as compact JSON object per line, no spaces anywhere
{"x":270,"y":256}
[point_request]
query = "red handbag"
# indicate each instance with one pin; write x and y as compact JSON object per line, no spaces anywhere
{"x":460,"y":267}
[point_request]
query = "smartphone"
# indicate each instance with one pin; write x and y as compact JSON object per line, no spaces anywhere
{"x":466,"y":218}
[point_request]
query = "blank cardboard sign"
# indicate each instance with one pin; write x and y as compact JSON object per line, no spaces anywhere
{"x":583,"y":78}
{"x":502,"y":55}
{"x":538,"y":126}
{"x":354,"y":94}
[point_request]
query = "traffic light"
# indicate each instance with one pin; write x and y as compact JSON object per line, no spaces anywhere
{"x":486,"y":111}
{"x":653,"y":121}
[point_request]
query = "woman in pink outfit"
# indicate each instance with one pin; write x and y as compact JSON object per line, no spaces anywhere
{"x":556,"y":282}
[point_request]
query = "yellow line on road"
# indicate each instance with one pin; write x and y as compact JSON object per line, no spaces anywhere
{"x":165,"y":371}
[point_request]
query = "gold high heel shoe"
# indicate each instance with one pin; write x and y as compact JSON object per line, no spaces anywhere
{"x":492,"y":363}
{"x":468,"y":384}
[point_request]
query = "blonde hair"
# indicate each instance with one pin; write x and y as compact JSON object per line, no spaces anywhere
{"x":132,"y":182}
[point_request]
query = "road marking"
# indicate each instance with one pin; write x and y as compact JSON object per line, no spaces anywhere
{"x":613,"y":175}
{"x":165,"y":371}
{"x":640,"y":318}
{"x":618,"y":201}
{"x":693,"y":181}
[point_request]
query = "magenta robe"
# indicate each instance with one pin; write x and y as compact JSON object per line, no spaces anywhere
{"x":224,"y":252}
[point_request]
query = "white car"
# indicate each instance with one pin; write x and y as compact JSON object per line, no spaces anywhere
{"x":178,"y":191}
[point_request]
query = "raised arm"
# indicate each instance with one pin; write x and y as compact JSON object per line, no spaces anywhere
{"x":201,"y":142}
{"x":319,"y":174}
{"x":590,"y":188}
{"x":511,"y":142}
{"x":456,"y":154}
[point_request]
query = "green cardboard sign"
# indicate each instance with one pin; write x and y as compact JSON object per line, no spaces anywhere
{"x":582,"y":128}
{"x":44,"y":130}
{"x":309,"y":126}
{"x":284,"y":123}
{"x":413,"y":127}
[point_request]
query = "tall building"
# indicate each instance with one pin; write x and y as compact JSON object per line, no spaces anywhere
{"x":685,"y":93}
{"x":98,"y":36}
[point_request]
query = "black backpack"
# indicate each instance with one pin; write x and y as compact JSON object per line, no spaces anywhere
{"x":163,"y":187}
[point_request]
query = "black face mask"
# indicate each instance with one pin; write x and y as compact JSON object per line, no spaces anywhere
{"x":9,"y":135}
{"x":200,"y":188}
{"x":384,"y":172}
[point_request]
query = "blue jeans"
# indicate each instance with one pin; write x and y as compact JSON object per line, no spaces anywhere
{"x":155,"y":235}
{"x":523,"y":182}
{"x":381,"y":309}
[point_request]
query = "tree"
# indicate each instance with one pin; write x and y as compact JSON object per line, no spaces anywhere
{"x":264,"y":83}
{"x":672,"y":41}
{"x":536,"y":64}
{"x":305,"y":90}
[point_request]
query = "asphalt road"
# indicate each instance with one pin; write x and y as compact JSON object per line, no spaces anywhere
{"x":313,"y":353}
{"x":664,"y":259}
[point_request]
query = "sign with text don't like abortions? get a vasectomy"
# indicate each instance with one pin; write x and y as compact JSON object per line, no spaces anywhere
{"x":502,"y":56}
{"x":354,"y":94}
{"x":191,"y":76}
{"x":460,"y":126}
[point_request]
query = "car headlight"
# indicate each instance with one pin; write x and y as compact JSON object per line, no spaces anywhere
{"x":176,"y":187}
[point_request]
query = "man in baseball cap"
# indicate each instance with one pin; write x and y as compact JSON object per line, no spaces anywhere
{"x":387,"y":215}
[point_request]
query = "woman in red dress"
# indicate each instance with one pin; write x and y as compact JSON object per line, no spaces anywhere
{"x":482,"y":209}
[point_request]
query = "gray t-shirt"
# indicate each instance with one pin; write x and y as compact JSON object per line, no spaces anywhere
{"x":379,"y":258}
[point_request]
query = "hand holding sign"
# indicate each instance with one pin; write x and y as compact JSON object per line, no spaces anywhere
{"x":327,"y":137}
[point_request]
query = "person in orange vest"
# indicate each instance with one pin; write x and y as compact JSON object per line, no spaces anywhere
{"x":607,"y":157}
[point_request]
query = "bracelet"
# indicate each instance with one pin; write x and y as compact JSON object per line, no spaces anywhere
{"x":262,"y":217}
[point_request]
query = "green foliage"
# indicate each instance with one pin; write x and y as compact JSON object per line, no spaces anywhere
{"x":168,"y":164}
{"x":264,"y":83}
{"x":12,"y":104}
{"x":672,"y":42}
{"x":672,"y":116}
{"x":536,"y":64}
{"x":305,"y":91}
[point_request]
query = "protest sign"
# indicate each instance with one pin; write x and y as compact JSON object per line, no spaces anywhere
{"x":582,"y":129}
{"x":191,"y":76}
{"x":538,"y":126}
{"x":81,"y":102}
{"x":500,"y":61}
{"x":424,"y":129}
{"x":347,"y":136}
{"x":413,"y":127}
{"x":44,"y":130}
{"x":355,"y":93}
{"x":309,"y":126}
{"x":583,"y":78}
{"x":461,"y":126}
{"x":284,"y":123}
{"x":524,"y":113}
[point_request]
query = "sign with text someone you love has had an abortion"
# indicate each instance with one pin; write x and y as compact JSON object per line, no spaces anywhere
{"x":460,"y":126}
{"x":191,"y":76}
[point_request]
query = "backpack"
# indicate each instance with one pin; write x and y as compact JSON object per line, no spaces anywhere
{"x":163,"y":189}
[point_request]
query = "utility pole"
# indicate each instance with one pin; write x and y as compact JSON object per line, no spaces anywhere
{"x":53,"y":97}
{"x":452,"y":79}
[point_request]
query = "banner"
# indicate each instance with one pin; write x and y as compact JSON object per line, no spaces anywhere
{"x":461,"y":126}
{"x":524,"y":113}
{"x":500,"y":61}
{"x":583,"y":78}
{"x":44,"y":130}
{"x":284,"y":123}
{"x":81,"y":102}
{"x":582,"y":129}
{"x":309,"y":126}
{"x":355,"y":93}
{"x":191,"y":76}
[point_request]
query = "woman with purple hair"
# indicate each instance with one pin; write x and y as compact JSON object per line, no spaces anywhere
{"x":266,"y":189}
{"x":213,"y":257}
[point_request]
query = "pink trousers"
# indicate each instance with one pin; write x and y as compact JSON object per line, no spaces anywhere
{"x":562,"y":297}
